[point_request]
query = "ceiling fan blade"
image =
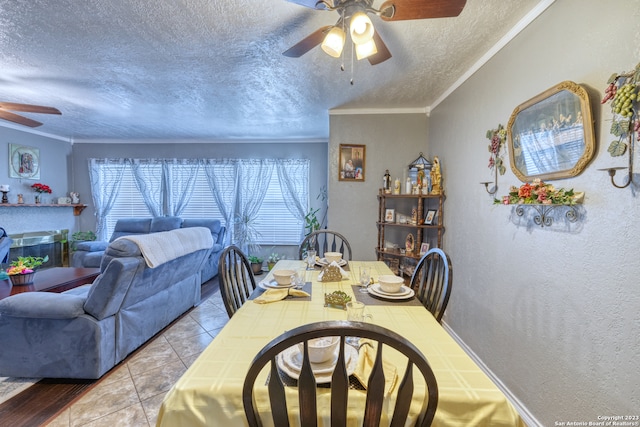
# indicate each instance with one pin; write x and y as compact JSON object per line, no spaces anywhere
{"x":6,"y":115}
{"x":308,"y":43}
{"x":383,"y":52}
{"x":422,"y":9}
{"x":313,"y":4}
{"x":27,"y":108}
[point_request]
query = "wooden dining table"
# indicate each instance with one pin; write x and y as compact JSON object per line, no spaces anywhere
{"x":210,"y":391}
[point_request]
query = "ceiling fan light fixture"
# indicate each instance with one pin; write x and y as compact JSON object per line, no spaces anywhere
{"x":333,"y":42}
{"x":365,"y":50}
{"x":361,"y":28}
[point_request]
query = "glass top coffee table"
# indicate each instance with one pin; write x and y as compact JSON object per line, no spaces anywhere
{"x":56,"y":279}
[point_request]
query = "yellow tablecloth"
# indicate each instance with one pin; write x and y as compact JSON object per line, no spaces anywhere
{"x":210,"y":392}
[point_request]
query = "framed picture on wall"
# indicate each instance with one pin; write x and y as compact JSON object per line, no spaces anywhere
{"x":351,"y":163}
{"x":24,"y":162}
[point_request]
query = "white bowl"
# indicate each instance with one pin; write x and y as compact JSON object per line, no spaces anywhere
{"x":283,"y":277}
{"x":390,"y":284}
{"x":333,"y":256}
{"x":321,"y":349}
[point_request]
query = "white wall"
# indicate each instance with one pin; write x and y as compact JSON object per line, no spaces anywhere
{"x":392,"y":142}
{"x":54,"y":172}
{"x":554,"y":312}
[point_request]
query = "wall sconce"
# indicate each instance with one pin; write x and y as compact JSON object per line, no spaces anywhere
{"x":612,"y":171}
{"x":494,"y":189}
{"x":622,"y":91}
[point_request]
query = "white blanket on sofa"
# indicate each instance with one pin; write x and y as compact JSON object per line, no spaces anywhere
{"x":158,"y":248}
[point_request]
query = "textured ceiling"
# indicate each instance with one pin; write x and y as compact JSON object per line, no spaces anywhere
{"x":213,"y":69}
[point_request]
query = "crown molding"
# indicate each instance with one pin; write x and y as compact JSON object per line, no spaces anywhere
{"x":202,"y":141}
{"x":356,"y":111}
{"x":35,"y":132}
{"x":517,"y":29}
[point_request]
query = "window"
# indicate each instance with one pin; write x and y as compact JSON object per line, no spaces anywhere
{"x":128,"y":204}
{"x":277,"y":226}
{"x":275,"y":223}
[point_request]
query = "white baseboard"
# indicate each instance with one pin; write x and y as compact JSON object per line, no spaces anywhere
{"x":529,"y":419}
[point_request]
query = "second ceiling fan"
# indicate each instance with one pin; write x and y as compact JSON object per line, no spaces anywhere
{"x":354,"y":18}
{"x":6,"y":109}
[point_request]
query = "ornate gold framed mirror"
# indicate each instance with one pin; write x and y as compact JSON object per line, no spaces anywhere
{"x":551,"y":135}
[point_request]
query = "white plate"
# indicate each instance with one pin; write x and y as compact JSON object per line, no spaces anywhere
{"x":290,"y":362}
{"x":274,"y":285}
{"x":403,"y":292}
{"x":372,"y":290}
{"x":323,"y":262}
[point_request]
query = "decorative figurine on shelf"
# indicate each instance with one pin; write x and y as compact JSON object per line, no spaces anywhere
{"x":75,"y":197}
{"x":20,"y":199}
{"x":436,"y":177}
{"x":4,"y":188}
{"x":386,"y":182}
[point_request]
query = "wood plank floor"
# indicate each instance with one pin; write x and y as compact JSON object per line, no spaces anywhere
{"x":49,"y":397}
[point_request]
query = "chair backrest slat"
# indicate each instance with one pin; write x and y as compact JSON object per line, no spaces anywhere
{"x":339,"y":390}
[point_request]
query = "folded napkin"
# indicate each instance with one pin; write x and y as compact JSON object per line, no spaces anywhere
{"x":273,"y":295}
{"x":366,"y":357}
{"x":344,"y":274}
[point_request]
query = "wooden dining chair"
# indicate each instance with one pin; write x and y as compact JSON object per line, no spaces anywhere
{"x":236,"y":279}
{"x":432,"y":280}
{"x":325,"y":241}
{"x":306,"y":385}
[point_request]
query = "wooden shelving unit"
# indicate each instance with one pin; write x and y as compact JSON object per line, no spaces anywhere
{"x":422,"y":232}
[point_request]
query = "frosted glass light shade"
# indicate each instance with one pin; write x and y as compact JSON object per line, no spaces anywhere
{"x":361,"y":28}
{"x":365,"y":50}
{"x":334,"y":42}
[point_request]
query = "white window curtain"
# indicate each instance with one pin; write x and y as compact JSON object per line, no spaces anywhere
{"x":257,"y":206}
{"x":149,"y":180}
{"x":180,"y":178}
{"x":294,"y":184}
{"x":253,"y":177}
{"x":222,"y":177}
{"x":105,"y":176}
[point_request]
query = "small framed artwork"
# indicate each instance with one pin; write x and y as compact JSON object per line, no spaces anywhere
{"x":24,"y":162}
{"x":431,"y":215}
{"x":390,"y":215}
{"x":424,"y":248}
{"x":351,"y":163}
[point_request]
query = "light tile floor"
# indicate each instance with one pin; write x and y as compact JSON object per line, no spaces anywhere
{"x":131,"y":394}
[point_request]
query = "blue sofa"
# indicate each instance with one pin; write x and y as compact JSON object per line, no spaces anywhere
{"x":89,"y":254}
{"x":84,"y":332}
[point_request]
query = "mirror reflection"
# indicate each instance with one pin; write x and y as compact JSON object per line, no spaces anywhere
{"x":551,"y":136}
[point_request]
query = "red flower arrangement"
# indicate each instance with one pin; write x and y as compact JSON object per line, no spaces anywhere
{"x":41,"y":188}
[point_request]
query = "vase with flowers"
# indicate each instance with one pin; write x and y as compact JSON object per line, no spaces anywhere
{"x":39,"y":189}
{"x":22,"y":271}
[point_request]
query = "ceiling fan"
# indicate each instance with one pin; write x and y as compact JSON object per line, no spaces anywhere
{"x":354,"y":14}
{"x":7,"y":107}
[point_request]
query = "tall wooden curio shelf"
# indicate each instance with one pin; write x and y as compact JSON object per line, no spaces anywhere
{"x":409,"y":211}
